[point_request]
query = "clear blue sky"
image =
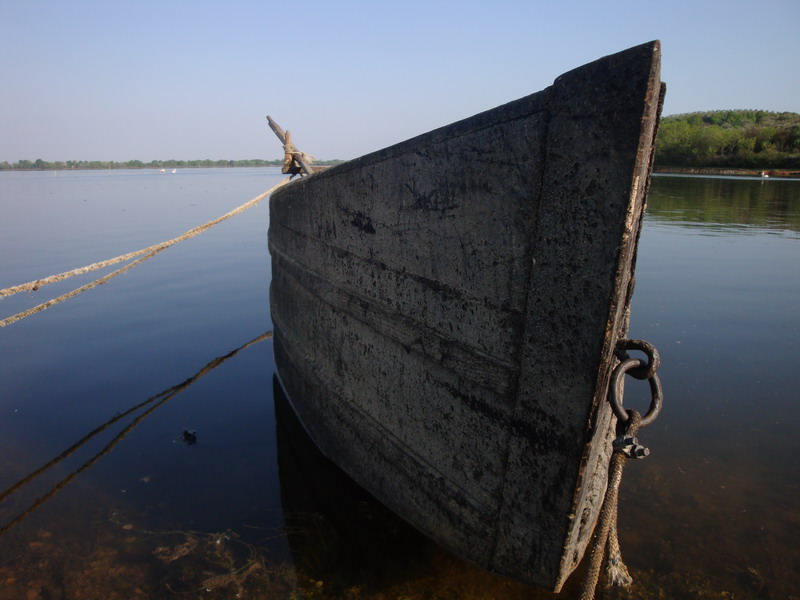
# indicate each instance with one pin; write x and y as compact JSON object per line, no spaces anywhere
{"x":91,"y":80}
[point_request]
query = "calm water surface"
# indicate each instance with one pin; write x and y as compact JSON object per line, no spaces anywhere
{"x":137,"y":511}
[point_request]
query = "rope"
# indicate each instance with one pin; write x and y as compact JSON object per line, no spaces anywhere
{"x":44,"y":305}
{"x":35,"y":285}
{"x":606,"y":541}
{"x":160,"y":399}
{"x":150,"y":251}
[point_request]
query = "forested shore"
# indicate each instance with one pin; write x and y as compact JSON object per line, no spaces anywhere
{"x":729,"y":139}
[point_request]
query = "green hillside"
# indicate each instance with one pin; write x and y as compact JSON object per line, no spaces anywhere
{"x":748,"y":139}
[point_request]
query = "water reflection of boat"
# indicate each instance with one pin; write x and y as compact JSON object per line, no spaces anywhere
{"x":335,"y":528}
{"x":446,"y":312}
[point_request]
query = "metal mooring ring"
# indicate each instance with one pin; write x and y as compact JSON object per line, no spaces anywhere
{"x":653,"y":358}
{"x":615,"y":391}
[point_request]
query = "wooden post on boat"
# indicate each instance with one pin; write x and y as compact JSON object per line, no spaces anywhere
{"x":294,"y":161}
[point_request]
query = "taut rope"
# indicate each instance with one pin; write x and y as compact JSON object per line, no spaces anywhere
{"x":150,"y":251}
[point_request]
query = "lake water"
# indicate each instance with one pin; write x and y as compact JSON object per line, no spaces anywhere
{"x":209,"y":489}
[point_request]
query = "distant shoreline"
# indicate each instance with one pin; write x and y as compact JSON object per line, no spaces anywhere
{"x":726,"y":171}
{"x":166,"y":169}
{"x":657,"y":169}
{"x":164,"y":165}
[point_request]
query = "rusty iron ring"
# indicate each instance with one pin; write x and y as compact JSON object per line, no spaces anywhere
{"x":647,"y":370}
{"x":630,"y":366}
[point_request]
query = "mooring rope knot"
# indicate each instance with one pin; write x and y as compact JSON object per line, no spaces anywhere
{"x":606,"y":540}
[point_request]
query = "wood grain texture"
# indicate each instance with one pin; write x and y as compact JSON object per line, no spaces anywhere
{"x":446,"y":310}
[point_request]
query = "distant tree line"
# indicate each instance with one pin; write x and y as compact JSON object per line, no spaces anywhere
{"x":746,"y":139}
{"x":42,"y":165}
{"x":730,"y":138}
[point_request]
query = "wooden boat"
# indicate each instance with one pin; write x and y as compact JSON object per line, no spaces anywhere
{"x":446,"y":312}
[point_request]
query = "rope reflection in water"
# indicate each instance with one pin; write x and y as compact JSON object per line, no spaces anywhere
{"x":156,"y":401}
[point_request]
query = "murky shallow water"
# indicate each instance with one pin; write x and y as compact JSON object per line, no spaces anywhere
{"x":250,"y":509}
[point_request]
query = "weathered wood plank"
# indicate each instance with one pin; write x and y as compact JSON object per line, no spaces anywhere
{"x":294,"y":161}
{"x":446,"y":311}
